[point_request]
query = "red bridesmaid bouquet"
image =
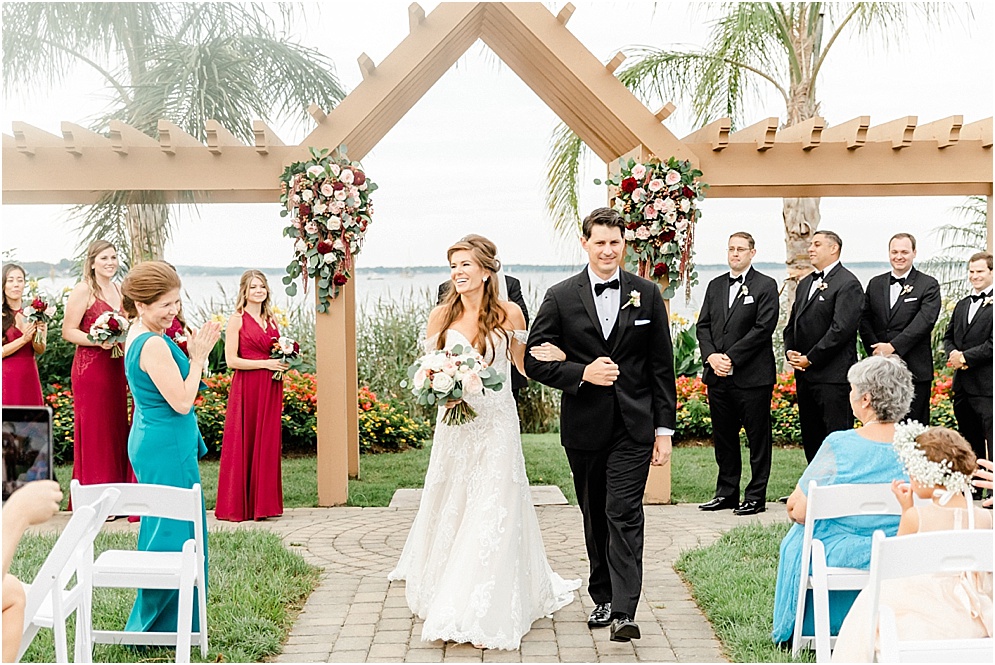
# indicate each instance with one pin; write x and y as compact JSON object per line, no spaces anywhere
{"x":41,"y":310}
{"x":286,"y":350}
{"x":110,"y":327}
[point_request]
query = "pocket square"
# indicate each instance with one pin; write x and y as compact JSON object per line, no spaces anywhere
{"x":910,"y":300}
{"x":641,"y":322}
{"x":747,"y":300}
{"x":822,"y":299}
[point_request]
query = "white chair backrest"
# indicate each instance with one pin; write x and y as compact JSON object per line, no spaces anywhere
{"x":175,"y":503}
{"x":832,"y":501}
{"x":73,"y":543}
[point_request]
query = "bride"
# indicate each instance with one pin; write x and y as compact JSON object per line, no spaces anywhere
{"x":474,"y":562}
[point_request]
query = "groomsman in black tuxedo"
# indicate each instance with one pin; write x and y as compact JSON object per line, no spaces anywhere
{"x":900,"y":310}
{"x":820,"y":341}
{"x":968,"y":343}
{"x":735,"y":330}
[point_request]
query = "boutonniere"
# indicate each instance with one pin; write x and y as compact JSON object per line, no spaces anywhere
{"x":822,"y":286}
{"x":633,"y":299}
{"x":907,"y":289}
{"x":984,"y":303}
{"x":743,"y":291}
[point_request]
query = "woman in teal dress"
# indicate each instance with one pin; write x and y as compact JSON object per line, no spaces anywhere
{"x":165,"y":442}
{"x":880,"y":395}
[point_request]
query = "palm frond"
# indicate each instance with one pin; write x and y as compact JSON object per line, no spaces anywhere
{"x":566,"y":151}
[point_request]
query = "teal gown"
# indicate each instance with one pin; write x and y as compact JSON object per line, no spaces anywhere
{"x":164,"y":447}
{"x":845,"y":457}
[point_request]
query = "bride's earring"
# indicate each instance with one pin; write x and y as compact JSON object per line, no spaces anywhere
{"x":485,"y":280}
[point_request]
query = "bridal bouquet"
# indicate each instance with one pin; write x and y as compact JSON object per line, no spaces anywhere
{"x":109,"y":327}
{"x":179,"y":338}
{"x":286,"y":350}
{"x":40,"y":311}
{"x":441,"y":376}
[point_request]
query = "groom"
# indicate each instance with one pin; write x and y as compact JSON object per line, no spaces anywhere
{"x":618,"y":408}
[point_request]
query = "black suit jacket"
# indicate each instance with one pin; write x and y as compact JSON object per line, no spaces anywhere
{"x":908,"y":325}
{"x":514,"y":295}
{"x":743,"y":332}
{"x":641,"y":347}
{"x":975,"y":341}
{"x":824,"y":327}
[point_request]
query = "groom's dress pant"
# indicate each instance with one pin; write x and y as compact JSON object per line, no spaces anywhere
{"x":610,"y":484}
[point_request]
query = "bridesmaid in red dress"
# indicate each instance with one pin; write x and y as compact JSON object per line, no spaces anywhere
{"x":21,"y":383}
{"x":100,"y":444}
{"x":250,"y":484}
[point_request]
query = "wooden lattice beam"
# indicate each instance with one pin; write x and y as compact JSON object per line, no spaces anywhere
{"x":852,"y":132}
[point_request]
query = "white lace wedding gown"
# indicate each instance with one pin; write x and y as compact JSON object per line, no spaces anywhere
{"x":474,"y":563}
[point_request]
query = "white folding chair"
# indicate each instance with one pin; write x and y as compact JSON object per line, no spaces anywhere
{"x":832,"y":502}
{"x":958,"y":551}
{"x":49,"y":600}
{"x":135,"y":569}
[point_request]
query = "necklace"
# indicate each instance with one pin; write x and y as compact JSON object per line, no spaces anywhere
{"x":879,"y":422}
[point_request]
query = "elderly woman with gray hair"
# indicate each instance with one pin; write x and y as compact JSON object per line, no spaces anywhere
{"x":880,"y":394}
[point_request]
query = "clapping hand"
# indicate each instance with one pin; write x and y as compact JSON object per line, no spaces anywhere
{"x":983,"y":478}
{"x":200,"y":342}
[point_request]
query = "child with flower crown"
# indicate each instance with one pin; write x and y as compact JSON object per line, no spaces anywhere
{"x":939,"y":462}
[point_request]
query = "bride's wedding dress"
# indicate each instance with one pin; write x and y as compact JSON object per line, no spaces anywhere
{"x":474,"y":563}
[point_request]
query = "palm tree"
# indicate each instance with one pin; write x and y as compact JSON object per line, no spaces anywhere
{"x":959,"y":241}
{"x":183,"y":62}
{"x":752,"y":45}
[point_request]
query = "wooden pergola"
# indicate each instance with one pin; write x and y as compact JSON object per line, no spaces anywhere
{"x":812,"y":159}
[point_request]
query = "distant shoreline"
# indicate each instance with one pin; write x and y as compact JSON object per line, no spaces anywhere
{"x":64,"y":268}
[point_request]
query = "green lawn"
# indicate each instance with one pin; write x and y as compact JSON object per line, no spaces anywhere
{"x":249,"y":615}
{"x":733,"y":583}
{"x":693,"y":473}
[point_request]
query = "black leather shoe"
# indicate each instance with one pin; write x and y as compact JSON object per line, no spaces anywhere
{"x":750,"y":508}
{"x":624,"y":629}
{"x":720,"y":503}
{"x":600,"y":616}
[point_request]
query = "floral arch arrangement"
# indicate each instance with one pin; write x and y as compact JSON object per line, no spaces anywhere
{"x":327,"y":199}
{"x":658,"y":201}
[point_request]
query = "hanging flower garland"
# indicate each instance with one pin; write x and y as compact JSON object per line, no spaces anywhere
{"x":658,"y":202}
{"x":328,"y":201}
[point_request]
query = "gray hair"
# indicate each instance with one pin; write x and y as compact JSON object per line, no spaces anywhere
{"x":887,"y":381}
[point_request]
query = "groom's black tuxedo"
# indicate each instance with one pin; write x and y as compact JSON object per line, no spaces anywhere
{"x":973,"y":385}
{"x":907,"y":325}
{"x":608,"y":431}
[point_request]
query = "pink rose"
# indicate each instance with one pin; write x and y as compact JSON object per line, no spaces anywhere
{"x":673,"y":177}
{"x":643,"y":233}
{"x":315,"y":171}
{"x":327,"y":189}
{"x":341,"y":195}
{"x":649,"y":212}
{"x":335,"y":169}
{"x":473,"y":385}
{"x":666,"y":206}
{"x":638,"y":171}
{"x":638,"y":194}
{"x":307,"y":195}
{"x":419,"y":379}
{"x":656,"y":185}
{"x":346,"y":176}
{"x":311,"y":227}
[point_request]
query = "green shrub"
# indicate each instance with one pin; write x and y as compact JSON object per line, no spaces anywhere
{"x":61,"y":401}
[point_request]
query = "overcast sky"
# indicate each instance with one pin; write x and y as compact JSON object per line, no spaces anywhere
{"x":490,"y":133}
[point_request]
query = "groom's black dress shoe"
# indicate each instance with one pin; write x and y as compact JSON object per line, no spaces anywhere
{"x":720,"y":503}
{"x":624,"y":629}
{"x":750,"y":508}
{"x":601,"y":616}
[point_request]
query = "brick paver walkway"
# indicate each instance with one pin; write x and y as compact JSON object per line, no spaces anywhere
{"x":356,"y":615}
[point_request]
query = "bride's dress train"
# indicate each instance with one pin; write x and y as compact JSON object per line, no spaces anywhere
{"x":474,"y":563}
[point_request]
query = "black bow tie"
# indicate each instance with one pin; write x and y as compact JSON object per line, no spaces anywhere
{"x":600,"y":288}
{"x":979,"y":296}
{"x":818,"y":274}
{"x":897,"y":280}
{"x":734,"y":280}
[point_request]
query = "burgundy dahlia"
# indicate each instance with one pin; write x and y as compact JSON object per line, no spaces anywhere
{"x":660,"y":269}
{"x":668,"y":235}
{"x":629,"y":185}
{"x":339,"y":279}
{"x":324,"y":247}
{"x":358,"y":178}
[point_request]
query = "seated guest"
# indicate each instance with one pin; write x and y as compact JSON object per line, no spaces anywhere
{"x":880,"y":394}
{"x":938,"y":606}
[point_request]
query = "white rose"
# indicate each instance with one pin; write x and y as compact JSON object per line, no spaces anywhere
{"x":341,"y":194}
{"x":300,"y":246}
{"x":339,"y":246}
{"x":671,"y":217}
{"x":666,"y":206}
{"x":442,"y":382}
{"x":307,"y":195}
{"x":320,"y":208}
{"x":334,"y":223}
{"x":315,"y":171}
{"x":435,"y":362}
{"x":311,"y":227}
{"x":685,"y":205}
{"x":419,"y":379}
{"x":346,"y":176}
{"x":327,"y":189}
{"x":335,"y":169}
{"x":630,"y":235}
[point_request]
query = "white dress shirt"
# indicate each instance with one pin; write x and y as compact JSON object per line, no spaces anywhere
{"x":607,"y":304}
{"x":895,"y":290}
{"x":825,"y":271}
{"x":976,"y":304}
{"x":736,"y":287}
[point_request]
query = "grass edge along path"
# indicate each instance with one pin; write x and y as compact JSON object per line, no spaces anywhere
{"x":732,"y":581}
{"x":249,"y":614}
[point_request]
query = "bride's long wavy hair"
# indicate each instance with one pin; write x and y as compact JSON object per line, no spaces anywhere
{"x":492,"y":315}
